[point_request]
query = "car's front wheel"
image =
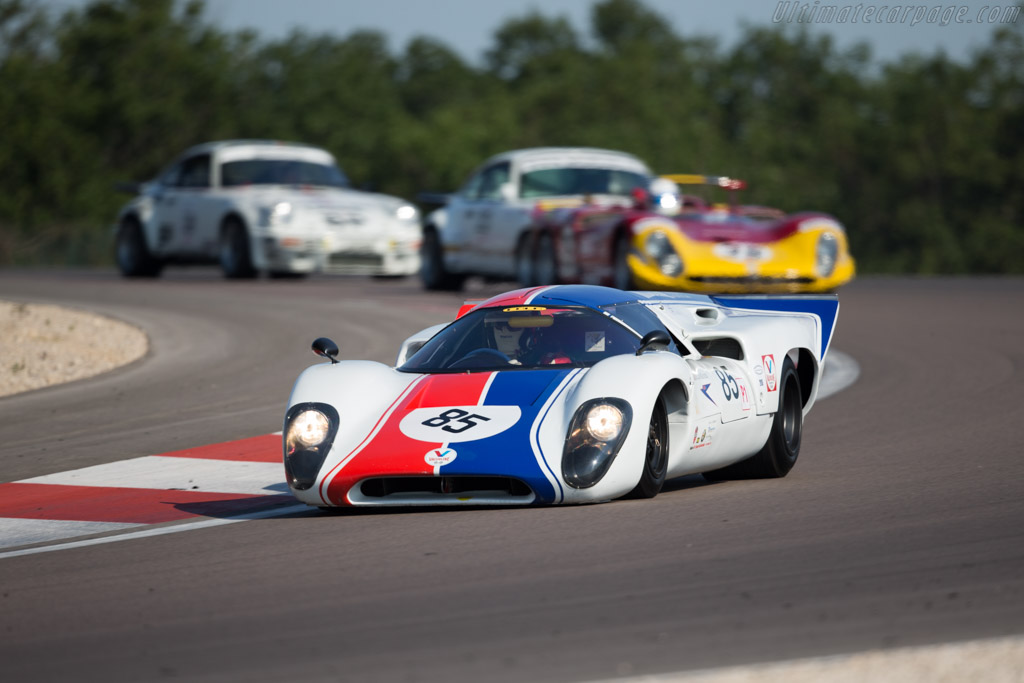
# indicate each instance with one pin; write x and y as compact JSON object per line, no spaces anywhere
{"x":235,"y":254}
{"x":133,"y":256}
{"x":656,"y":458}
{"x":778,"y":455}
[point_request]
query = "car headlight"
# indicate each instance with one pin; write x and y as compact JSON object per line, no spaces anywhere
{"x":825,"y":254}
{"x":407,"y":212}
{"x":309,"y":430}
{"x":278,"y":214}
{"x":659,"y":248}
{"x":596,"y":433}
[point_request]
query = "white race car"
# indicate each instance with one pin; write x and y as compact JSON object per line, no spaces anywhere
{"x":264,"y":206}
{"x":484,"y":228}
{"x":564,"y":394}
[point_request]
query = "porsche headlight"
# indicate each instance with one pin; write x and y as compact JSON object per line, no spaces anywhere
{"x":825,"y":255}
{"x":278,"y":214}
{"x":309,"y":431}
{"x":595,"y":435}
{"x":659,"y":248}
{"x":407,"y":212}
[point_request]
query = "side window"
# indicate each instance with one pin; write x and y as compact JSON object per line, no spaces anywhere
{"x":171,"y":176}
{"x":487,"y":183}
{"x":195,"y":172}
{"x":471,"y":190}
{"x":493,"y":178}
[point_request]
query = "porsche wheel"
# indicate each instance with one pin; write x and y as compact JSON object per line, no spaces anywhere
{"x":780,"y":452}
{"x":656,"y":460}
{"x":133,"y":256}
{"x":545,"y":264}
{"x":432,"y":271}
{"x":235,"y":256}
{"x":622,"y":275}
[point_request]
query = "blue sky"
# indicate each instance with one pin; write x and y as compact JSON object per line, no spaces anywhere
{"x":467,"y":26}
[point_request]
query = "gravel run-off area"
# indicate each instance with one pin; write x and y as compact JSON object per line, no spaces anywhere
{"x":42,"y":345}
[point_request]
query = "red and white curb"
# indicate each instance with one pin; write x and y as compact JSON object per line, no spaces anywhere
{"x":211,"y":485}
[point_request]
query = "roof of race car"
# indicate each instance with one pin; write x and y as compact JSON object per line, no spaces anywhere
{"x":591,"y":296}
{"x":220,"y":144}
{"x":568,"y":156}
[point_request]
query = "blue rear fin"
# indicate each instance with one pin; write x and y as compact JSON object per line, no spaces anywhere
{"x":824,"y":306}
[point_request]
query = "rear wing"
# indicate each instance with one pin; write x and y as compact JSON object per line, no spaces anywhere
{"x":823,"y":306}
{"x":722,"y":181}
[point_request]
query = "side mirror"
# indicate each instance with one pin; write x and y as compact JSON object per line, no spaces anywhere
{"x":655,"y":340}
{"x":322,"y":346}
{"x":507,"y":191}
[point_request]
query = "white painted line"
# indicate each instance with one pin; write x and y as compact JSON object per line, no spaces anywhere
{"x":183,"y":474}
{"x":16,"y":531}
{"x":191,"y":526}
{"x":999,"y":660}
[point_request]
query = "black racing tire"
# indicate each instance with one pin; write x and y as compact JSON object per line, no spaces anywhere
{"x":235,"y":254}
{"x":524,"y":262}
{"x":545,"y":262}
{"x":622,"y":275}
{"x":432,"y":271}
{"x":133,"y":256}
{"x":656,"y":459}
{"x":778,"y":455}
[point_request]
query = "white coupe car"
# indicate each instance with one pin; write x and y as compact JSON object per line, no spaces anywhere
{"x":260,"y":206}
{"x":483,"y":228}
{"x":564,"y":394}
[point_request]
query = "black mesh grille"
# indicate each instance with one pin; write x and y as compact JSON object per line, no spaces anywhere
{"x":380,"y":487}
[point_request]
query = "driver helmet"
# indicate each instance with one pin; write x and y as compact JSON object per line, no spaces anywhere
{"x":665,"y":197}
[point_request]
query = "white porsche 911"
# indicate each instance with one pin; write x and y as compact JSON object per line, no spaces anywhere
{"x":564,"y":394}
{"x":263,"y":206}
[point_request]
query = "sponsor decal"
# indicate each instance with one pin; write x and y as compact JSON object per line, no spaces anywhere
{"x":744,"y":396}
{"x":519,"y":309}
{"x":758,"y":370}
{"x":704,"y":390}
{"x":768,"y":362}
{"x":440,"y":456}
{"x":455,"y":424}
{"x":702,"y":436}
{"x":593,"y":342}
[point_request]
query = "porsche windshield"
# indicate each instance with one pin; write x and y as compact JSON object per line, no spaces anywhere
{"x":526,"y":337}
{"x":281,"y":172}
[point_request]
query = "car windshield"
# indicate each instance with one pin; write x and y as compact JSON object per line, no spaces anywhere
{"x":280,"y":172}
{"x":557,"y":182}
{"x":524,"y":337}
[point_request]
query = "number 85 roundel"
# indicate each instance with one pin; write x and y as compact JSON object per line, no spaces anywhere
{"x":647,"y":386}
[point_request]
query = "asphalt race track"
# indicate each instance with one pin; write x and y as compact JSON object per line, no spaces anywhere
{"x":901,"y":525}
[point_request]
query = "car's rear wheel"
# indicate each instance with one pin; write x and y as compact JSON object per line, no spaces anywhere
{"x":133,"y":256}
{"x":780,"y":452}
{"x":622,"y":274}
{"x":656,"y":459}
{"x":235,"y":254}
{"x":545,"y":265}
{"x":432,"y":269}
{"x":524,"y":263}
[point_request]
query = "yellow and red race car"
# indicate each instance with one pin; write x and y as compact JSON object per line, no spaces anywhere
{"x":666,"y":240}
